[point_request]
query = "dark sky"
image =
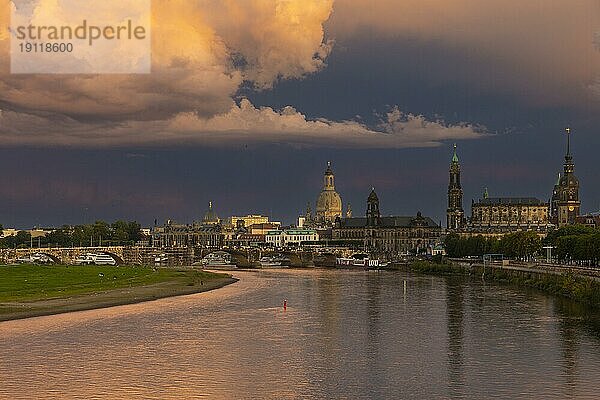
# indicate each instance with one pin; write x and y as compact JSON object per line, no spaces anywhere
{"x":367,"y":74}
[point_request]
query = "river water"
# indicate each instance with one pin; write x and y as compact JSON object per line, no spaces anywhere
{"x":344,"y":335}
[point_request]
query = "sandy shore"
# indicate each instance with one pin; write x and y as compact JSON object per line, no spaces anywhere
{"x":118,"y":297}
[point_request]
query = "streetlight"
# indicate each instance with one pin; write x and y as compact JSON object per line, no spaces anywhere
{"x":548,"y":253}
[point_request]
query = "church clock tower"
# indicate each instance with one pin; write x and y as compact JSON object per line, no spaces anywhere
{"x":567,"y":191}
{"x":455,"y":213}
{"x":373,"y":214}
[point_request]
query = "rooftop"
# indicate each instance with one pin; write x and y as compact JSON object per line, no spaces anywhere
{"x":521,"y":201}
{"x":389,"y":222}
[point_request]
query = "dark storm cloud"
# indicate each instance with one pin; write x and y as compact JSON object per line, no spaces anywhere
{"x":513,"y":67}
{"x":189,"y":97}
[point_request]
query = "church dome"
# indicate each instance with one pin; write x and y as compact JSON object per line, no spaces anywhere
{"x":329,"y":203}
{"x":210,"y":217}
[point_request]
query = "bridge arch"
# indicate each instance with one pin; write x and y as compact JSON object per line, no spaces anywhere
{"x":54,"y":258}
{"x":116,"y":257}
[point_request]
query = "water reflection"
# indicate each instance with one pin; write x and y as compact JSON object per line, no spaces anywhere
{"x":345,"y":335}
{"x":455,"y":312}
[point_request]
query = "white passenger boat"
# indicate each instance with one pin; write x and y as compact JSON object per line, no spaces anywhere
{"x":360,"y":263}
{"x":37,"y":258}
{"x":218,"y":259}
{"x":274,"y":262}
{"x":95,"y":259}
{"x":104,"y":259}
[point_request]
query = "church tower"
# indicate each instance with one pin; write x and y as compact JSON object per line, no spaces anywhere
{"x":567,"y":206}
{"x":554,"y":201}
{"x":373,"y":214}
{"x":455,"y":213}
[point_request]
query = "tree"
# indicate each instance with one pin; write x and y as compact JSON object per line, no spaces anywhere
{"x":135,"y":231}
{"x":59,"y":238}
{"x":120,"y":232}
{"x":451,"y":244}
{"x":569,"y":230}
{"x":20,"y":240}
{"x":521,"y":244}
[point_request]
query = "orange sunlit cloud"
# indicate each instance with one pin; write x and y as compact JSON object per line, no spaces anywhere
{"x":545,"y":51}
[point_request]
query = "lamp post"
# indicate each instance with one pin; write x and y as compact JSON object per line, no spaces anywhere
{"x":548,"y":253}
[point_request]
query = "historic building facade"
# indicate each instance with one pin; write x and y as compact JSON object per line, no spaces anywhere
{"x":501,"y":215}
{"x":494,"y":216}
{"x":250,"y":220}
{"x":291,"y":237}
{"x":388,"y":236}
{"x":208,"y":233}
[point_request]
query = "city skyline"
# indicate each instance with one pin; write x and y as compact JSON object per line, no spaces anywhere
{"x":290,"y":218}
{"x":366,"y":90}
{"x":317,"y":199}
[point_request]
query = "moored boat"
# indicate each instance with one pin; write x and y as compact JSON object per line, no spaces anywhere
{"x":365,"y":262}
{"x":218,"y":259}
{"x":277,"y":261}
{"x":95,"y":259}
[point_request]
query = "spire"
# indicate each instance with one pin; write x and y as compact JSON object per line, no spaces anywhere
{"x":373,"y":195}
{"x":455,"y":156}
{"x":486,"y":194}
{"x":558,"y":180}
{"x":568,"y":142}
{"x":210,"y":205}
{"x":569,"y":166}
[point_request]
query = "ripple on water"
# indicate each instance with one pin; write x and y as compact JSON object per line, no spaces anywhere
{"x":345,"y":335}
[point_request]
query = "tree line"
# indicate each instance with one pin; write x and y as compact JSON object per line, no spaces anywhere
{"x":100,"y":233}
{"x":576,"y":243}
{"x":570,"y":243}
{"x":517,"y":245}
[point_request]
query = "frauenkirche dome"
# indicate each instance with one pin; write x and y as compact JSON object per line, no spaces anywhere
{"x":329,"y":203}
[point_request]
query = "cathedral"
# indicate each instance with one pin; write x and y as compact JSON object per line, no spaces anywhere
{"x":496,"y":216}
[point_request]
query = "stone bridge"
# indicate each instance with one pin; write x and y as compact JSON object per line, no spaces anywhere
{"x":136,"y":255}
{"x":65,"y":255}
{"x":173,"y":257}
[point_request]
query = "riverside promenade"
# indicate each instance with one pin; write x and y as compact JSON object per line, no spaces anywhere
{"x":530,"y":267}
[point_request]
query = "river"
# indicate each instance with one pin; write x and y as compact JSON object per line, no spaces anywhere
{"x":344,"y":335}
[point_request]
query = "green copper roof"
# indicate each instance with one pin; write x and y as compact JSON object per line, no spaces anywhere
{"x":455,"y":157}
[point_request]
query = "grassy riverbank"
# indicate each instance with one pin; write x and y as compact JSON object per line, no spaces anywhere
{"x":578,"y":288}
{"x":32,"y":290}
